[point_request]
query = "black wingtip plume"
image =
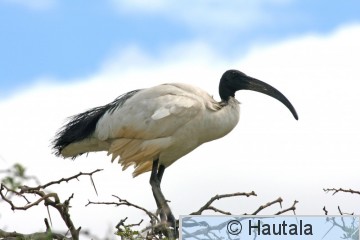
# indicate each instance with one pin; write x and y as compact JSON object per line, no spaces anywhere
{"x":84,"y":124}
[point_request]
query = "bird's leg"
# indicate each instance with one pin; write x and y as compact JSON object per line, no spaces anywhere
{"x":160,"y":172}
{"x":155,"y":180}
{"x":155,"y":183}
{"x":170,"y":217}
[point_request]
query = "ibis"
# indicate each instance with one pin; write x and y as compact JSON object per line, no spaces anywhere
{"x":152,"y":128}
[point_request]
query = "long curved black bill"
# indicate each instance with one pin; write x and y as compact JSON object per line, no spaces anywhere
{"x":249,"y":83}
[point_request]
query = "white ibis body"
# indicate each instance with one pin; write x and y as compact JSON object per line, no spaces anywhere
{"x":152,"y":128}
{"x":161,"y":123}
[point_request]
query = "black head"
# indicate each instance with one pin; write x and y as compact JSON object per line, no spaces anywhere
{"x":234,"y":80}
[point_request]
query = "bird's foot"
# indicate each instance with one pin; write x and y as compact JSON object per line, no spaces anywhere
{"x":164,"y":210}
{"x":166,"y":216}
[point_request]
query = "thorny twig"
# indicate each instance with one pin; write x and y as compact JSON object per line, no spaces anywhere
{"x":208,"y":206}
{"x":206,"y":230}
{"x":29,"y":189}
{"x":336,"y":190}
{"x":121,"y":202}
{"x":157,"y":227}
{"x":122,"y":223}
{"x":279,"y":200}
{"x":325,"y":211}
{"x":156,"y":224}
{"x":49,"y":199}
{"x":351,"y":231}
{"x":292,"y":208}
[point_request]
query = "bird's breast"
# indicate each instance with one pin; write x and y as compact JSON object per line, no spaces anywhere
{"x":217,"y":124}
{"x":206,"y":126}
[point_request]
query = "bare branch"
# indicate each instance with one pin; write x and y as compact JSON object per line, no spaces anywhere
{"x":217,"y":197}
{"x":279,"y":200}
{"x":49,"y":199}
{"x":343,"y":213}
{"x":325,"y":211}
{"x":125,"y":202}
{"x":340,"y":211}
{"x":131,"y":225}
{"x":93,"y":183}
{"x":334,"y":190}
{"x":292,"y":208}
{"x":218,"y":210}
{"x":30,"y":189}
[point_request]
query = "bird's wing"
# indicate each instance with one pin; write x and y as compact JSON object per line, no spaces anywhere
{"x":150,"y":114}
{"x":143,"y":126}
{"x":136,"y":127}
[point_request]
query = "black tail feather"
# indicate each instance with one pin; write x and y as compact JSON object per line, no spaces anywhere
{"x":83,"y":125}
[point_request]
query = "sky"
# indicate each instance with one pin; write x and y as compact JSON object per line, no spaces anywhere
{"x":59,"y":58}
{"x":63,"y":40}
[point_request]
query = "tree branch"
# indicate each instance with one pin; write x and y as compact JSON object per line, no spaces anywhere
{"x":207,"y":205}
{"x":30,"y":189}
{"x":292,"y":208}
{"x":334,"y":190}
{"x":49,"y":199}
{"x":153,"y":217}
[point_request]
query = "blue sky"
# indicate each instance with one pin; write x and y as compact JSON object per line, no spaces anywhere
{"x":69,"y":39}
{"x":59,"y":58}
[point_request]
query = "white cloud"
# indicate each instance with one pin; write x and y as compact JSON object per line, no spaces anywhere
{"x":268,"y":152}
{"x":206,"y":14}
{"x":32,"y":4}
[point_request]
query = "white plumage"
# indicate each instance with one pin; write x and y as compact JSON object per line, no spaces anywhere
{"x":161,"y":123}
{"x":164,"y":122}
